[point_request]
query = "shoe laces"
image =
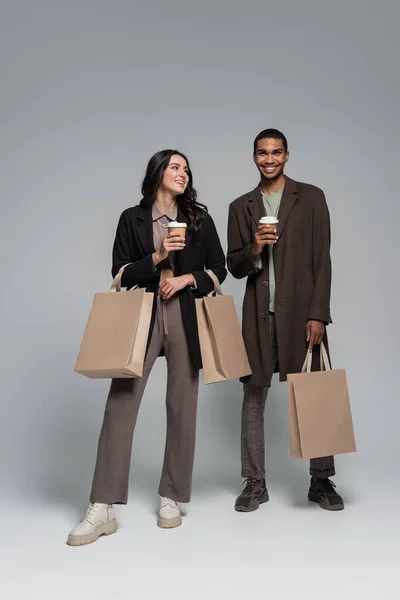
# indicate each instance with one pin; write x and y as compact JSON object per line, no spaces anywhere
{"x":90,"y":511}
{"x":250,"y":485}
{"x":327,"y":485}
{"x":168,"y":501}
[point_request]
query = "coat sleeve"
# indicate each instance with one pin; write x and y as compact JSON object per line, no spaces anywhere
{"x":215,"y":259}
{"x":322,"y":269}
{"x":240,"y":255}
{"x":142,"y":270}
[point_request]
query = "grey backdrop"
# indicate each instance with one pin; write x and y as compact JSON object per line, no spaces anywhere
{"x":90,"y":89}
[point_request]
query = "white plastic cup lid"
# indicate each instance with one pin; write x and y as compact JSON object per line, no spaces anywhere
{"x":269,"y":220}
{"x":176,"y":224}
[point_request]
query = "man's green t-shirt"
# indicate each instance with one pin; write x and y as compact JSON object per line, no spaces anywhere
{"x":271,"y":206}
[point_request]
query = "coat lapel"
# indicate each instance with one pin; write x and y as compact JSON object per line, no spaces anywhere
{"x":180,"y":256}
{"x":144,"y":230}
{"x":189,"y":234}
{"x":289,"y":198}
{"x":256,"y":206}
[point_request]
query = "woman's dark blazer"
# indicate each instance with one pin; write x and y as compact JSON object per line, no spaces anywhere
{"x":134,"y":244}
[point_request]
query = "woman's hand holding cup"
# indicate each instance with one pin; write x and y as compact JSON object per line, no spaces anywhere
{"x":173,"y":241}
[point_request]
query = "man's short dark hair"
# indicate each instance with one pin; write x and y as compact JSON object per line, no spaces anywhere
{"x":271,"y":133}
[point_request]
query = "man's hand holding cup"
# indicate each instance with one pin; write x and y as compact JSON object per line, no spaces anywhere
{"x":265,"y":234}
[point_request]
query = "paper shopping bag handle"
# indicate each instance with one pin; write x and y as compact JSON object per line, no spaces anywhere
{"x":325,"y":365}
{"x":116,"y":284}
{"x":217,"y":285}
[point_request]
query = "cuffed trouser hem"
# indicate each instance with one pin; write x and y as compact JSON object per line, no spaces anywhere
{"x":258,"y":476}
{"x":108,"y":500}
{"x":322,"y":474}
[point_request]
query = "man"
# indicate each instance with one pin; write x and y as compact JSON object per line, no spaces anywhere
{"x":286,"y":304}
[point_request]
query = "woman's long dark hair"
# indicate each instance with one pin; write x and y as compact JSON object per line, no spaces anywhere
{"x":192,"y":211}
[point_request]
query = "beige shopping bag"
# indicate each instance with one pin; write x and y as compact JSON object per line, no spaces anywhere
{"x":221,"y":343}
{"x":115,"y":339}
{"x":320,"y":421}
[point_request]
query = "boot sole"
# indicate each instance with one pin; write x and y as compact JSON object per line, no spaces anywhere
{"x":264,"y":498}
{"x":169,"y":523}
{"x":82,"y":540}
{"x":314,"y":498}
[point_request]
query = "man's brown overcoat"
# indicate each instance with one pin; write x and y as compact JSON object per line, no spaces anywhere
{"x":302,"y":273}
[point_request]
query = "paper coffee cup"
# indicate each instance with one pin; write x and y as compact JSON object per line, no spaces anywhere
{"x":268,"y":221}
{"x":175,"y":227}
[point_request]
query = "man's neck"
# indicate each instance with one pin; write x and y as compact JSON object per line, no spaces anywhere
{"x":165,"y":201}
{"x":274,"y":186}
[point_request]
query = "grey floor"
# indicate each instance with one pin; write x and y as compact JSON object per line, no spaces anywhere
{"x":289,"y":548}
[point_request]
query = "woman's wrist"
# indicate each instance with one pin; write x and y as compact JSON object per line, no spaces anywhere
{"x":189,"y":279}
{"x":157,"y":258}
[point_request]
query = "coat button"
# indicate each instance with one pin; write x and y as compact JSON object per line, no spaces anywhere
{"x":263,"y":316}
{"x":265,"y":283}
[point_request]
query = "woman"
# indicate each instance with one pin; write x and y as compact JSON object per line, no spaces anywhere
{"x":173,"y":267}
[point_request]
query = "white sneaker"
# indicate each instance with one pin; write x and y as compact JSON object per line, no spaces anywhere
{"x":169,"y":514}
{"x":98,"y":520}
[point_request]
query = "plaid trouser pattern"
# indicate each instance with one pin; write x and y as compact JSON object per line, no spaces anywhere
{"x":252,"y":443}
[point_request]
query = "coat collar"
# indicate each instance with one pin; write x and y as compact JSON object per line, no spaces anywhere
{"x":289,"y":197}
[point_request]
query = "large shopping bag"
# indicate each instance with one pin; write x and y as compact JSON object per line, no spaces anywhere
{"x":221,"y":343}
{"x":115,"y":339}
{"x":320,"y":421}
